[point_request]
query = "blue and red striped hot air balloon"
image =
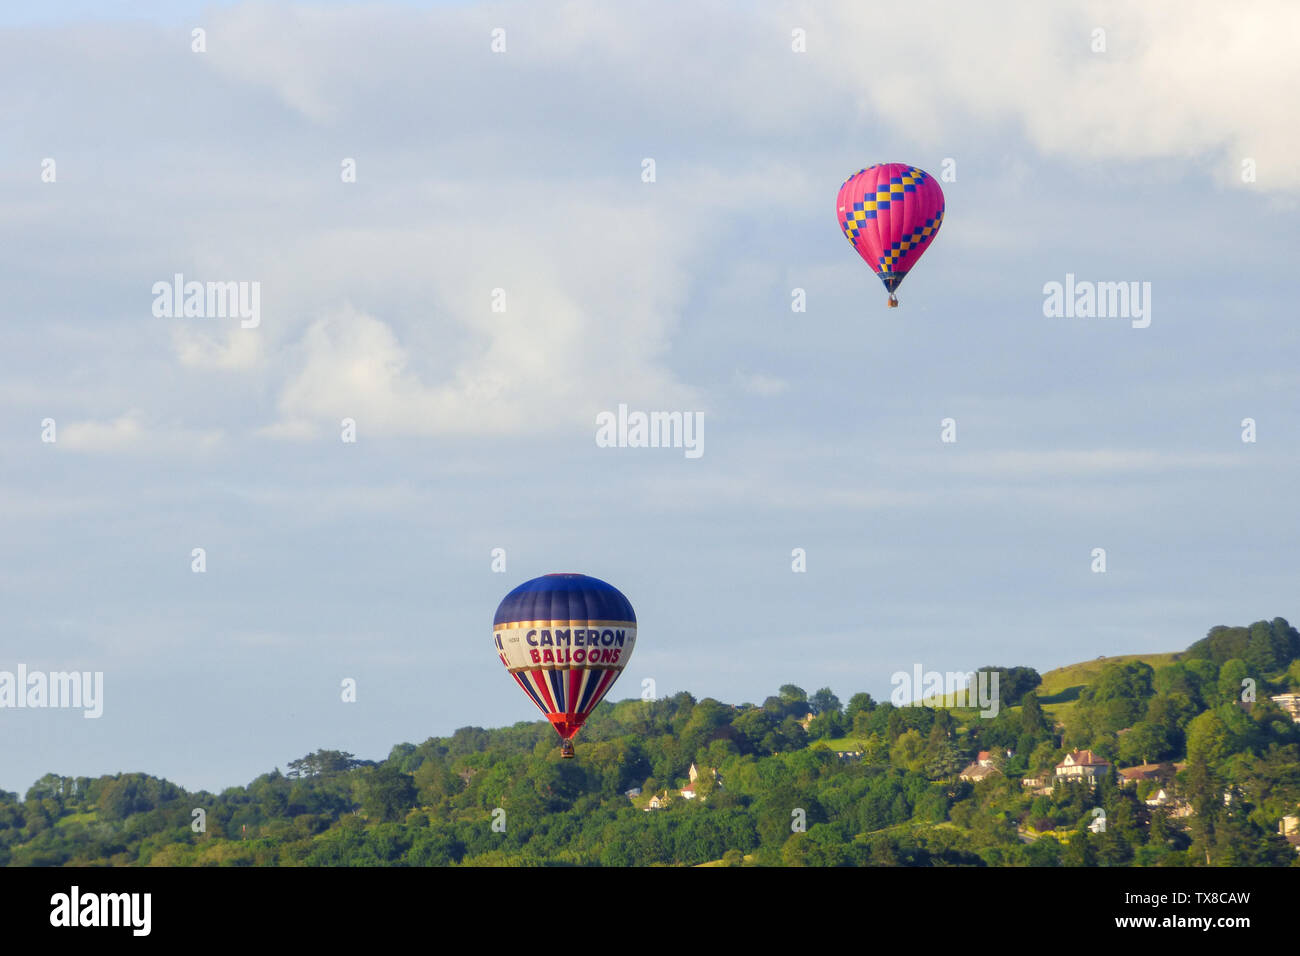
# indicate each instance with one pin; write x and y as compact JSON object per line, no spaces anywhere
{"x":565,"y":638}
{"x":890,"y":212}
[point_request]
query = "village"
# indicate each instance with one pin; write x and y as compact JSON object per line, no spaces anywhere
{"x":1155,"y":783}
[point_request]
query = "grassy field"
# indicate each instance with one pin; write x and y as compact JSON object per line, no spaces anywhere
{"x":73,"y":818}
{"x":1061,"y":688}
{"x":1057,"y":692}
{"x":843,"y":743}
{"x":748,"y":858}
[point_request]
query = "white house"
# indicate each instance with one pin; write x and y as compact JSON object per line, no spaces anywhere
{"x":1289,"y":827}
{"x":1081,"y":766}
{"x":1290,"y":703}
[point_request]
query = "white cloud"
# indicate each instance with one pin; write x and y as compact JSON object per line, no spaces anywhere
{"x":353,"y":366}
{"x":1178,"y":81}
{"x":241,"y":349}
{"x":592,"y":288}
{"x":123,"y":431}
{"x":130,"y":432}
{"x":1197,"y":80}
{"x":756,"y":383}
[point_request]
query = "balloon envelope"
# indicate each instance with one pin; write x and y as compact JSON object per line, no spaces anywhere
{"x":891,"y":213}
{"x":565,"y":638}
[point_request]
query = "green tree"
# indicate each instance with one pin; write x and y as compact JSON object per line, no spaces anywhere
{"x":790,"y":694}
{"x":389,"y":793}
{"x":1231,"y":675}
{"x":828,"y":725}
{"x":908,"y":751}
{"x":1080,"y":851}
{"x":1032,"y":719}
{"x":322,"y":762}
{"x":1014,"y":683}
{"x":1144,"y":743}
{"x":824,"y":702}
{"x":858,"y":703}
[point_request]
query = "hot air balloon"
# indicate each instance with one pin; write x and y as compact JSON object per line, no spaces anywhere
{"x":565,"y":638}
{"x":891,"y":213}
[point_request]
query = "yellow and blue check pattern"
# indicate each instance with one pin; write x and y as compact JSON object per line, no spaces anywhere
{"x":885,"y":194}
{"x":917,"y":238}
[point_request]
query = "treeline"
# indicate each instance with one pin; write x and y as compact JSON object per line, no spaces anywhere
{"x":770,"y":790}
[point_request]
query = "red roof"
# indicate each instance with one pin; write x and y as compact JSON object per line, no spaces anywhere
{"x":1086,"y":758}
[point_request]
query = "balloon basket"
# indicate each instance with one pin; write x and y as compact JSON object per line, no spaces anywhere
{"x":893,"y":302}
{"x":566,"y":749}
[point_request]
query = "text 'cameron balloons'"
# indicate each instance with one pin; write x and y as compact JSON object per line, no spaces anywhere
{"x":891,"y":213}
{"x":565,"y":638}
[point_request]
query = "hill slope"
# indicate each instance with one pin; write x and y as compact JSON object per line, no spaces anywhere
{"x":768,"y":791}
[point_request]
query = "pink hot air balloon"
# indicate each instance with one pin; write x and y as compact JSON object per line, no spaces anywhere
{"x":891,"y":213}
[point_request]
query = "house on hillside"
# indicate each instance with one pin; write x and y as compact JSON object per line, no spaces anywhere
{"x":1164,"y":798}
{"x":688,"y":792}
{"x":985,"y":758}
{"x":849,"y":756}
{"x":658,"y":802}
{"x":983,"y":767}
{"x":1160,"y":798}
{"x":634,"y":792}
{"x":977,"y":771}
{"x":1129,"y":776}
{"x":1040,"y":784}
{"x":1289,"y":827}
{"x":694,"y":774}
{"x":1290,"y":703}
{"x":1082,"y":766}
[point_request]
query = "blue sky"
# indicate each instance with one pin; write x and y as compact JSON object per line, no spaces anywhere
{"x":522,"y":171}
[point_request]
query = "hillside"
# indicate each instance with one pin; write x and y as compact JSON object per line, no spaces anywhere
{"x":1061,"y":687}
